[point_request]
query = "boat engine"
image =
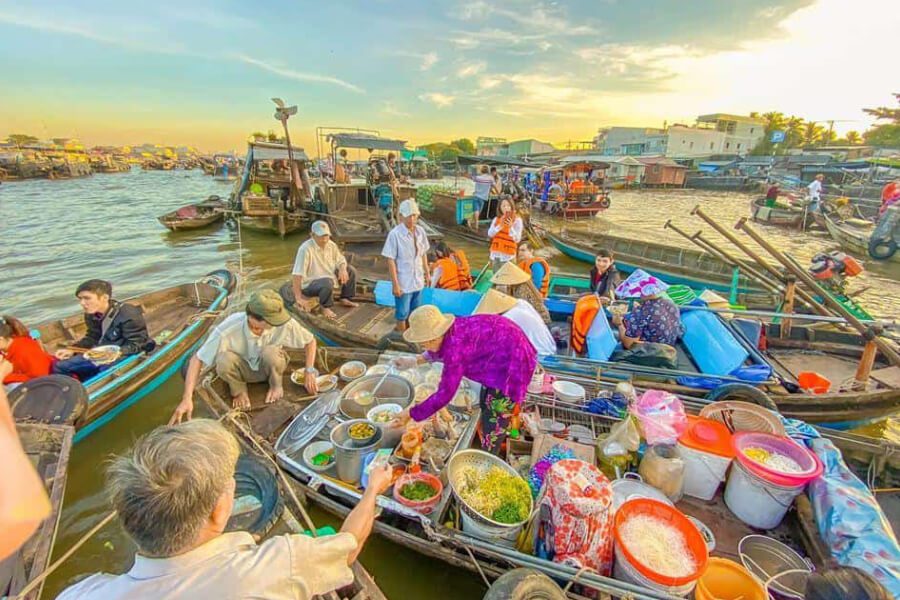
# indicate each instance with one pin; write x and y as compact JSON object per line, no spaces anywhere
{"x":834,"y":268}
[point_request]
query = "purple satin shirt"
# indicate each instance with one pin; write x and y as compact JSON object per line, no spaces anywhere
{"x":488,"y":349}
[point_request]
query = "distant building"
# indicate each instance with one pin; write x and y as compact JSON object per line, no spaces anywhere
{"x":490,"y":146}
{"x":690,"y":142}
{"x":630,"y":141}
{"x":500,"y":147}
{"x":662,"y":171}
{"x":742,"y":134}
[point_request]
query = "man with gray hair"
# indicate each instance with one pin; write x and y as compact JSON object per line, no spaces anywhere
{"x":174,"y":493}
{"x":318,"y":265}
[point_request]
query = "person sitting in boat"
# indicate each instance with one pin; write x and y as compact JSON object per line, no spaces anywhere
{"x":604,"y":276}
{"x":844,"y":583}
{"x":451,"y":270}
{"x":174,"y":493}
{"x":108,"y":323}
{"x":517,"y":283}
{"x":505,"y":233}
{"x":488,"y":349}
{"x":406,"y":249}
{"x":772,"y":195}
{"x":656,"y":319}
{"x":248,"y":347}
{"x":522,"y":314}
{"x":319,"y":265}
{"x":537,"y":267}
{"x":22,"y":358}
{"x":483,"y":185}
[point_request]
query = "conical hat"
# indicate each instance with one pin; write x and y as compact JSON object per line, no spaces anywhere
{"x":510,"y":274}
{"x":494,"y":303}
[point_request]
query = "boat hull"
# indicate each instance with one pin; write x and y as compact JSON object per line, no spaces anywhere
{"x":781,"y":217}
{"x":853,"y":239}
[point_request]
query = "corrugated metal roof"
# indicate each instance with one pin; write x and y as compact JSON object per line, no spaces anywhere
{"x":369,"y":142}
{"x":659,"y":160}
{"x":270,"y":151}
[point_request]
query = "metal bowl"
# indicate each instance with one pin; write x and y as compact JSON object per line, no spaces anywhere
{"x":394,"y":390}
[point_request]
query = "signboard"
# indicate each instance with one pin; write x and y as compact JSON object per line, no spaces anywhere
{"x":777,"y":137}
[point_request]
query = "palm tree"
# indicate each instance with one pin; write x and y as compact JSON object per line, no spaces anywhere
{"x":21,"y":139}
{"x":794,"y":129}
{"x":853,"y":138}
{"x":828,"y":137}
{"x":775,"y":121}
{"x":812,"y":133}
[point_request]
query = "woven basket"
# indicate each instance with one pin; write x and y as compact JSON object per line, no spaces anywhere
{"x":259,"y":206}
{"x":744,"y":416}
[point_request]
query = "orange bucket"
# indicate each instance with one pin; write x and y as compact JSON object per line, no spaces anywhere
{"x":727,"y":580}
{"x":813,"y":382}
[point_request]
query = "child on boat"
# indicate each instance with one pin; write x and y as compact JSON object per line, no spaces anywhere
{"x":21,"y":357}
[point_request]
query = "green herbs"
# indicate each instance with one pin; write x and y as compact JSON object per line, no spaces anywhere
{"x":496,"y":493}
{"x":509,"y":512}
{"x":418,"y":491}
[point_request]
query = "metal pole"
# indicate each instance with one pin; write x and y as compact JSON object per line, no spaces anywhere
{"x":868,"y":333}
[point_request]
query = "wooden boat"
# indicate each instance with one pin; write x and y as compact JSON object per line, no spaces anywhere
{"x":576,"y":192}
{"x":780,"y":215}
{"x":439,"y":536}
{"x":177,"y":317}
{"x":195,"y":216}
{"x":672,"y":264}
{"x":48,"y":447}
{"x":853,"y":235}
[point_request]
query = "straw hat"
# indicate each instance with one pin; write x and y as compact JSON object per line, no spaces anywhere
{"x":494,"y":303}
{"x":427,"y":323}
{"x":510,"y":274}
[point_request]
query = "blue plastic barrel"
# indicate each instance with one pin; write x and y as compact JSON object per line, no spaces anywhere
{"x":710,"y":344}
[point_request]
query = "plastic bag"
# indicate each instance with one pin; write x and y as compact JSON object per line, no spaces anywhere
{"x":616,"y":453}
{"x":663,"y":468}
{"x":661,"y":416}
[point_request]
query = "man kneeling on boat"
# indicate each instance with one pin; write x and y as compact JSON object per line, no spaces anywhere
{"x":488,"y":349}
{"x":174,"y":494}
{"x":108,"y":323}
{"x":247,"y":347}
{"x":320,"y":265}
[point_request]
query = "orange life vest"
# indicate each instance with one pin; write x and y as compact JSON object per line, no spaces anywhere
{"x":586,"y":309}
{"x":455,"y":272}
{"x":525,"y":265}
{"x":503,"y":241}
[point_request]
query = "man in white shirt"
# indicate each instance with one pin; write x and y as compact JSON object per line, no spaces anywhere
{"x":319,"y":264}
{"x":815,"y":192}
{"x":522,"y":314}
{"x":406,"y":249}
{"x":174,"y":493}
{"x":247,"y":347}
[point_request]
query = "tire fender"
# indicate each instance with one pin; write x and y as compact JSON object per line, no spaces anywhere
{"x":742,"y":391}
{"x":524,"y":584}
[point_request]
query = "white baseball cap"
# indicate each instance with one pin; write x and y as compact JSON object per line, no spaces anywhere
{"x":320,"y":228}
{"x":409,"y":208}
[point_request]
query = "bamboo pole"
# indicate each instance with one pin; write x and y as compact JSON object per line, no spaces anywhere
{"x":789,"y":293}
{"x":869,"y":333}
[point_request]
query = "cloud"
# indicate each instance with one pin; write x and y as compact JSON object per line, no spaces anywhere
{"x":471,"y":69}
{"x":428,"y":60}
{"x":537,"y":21}
{"x":646,"y":63}
{"x":389,"y":108}
{"x":288,"y":73}
{"x":438,"y":99}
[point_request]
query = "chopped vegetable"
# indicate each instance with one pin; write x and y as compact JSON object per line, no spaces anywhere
{"x":658,"y":546}
{"x":418,"y":491}
{"x":361,"y":431}
{"x":323,"y":458}
{"x":496,"y":492}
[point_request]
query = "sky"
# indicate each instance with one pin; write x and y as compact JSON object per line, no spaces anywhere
{"x":203,"y":72}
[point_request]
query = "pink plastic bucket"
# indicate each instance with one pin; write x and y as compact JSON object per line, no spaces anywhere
{"x":809,"y":463}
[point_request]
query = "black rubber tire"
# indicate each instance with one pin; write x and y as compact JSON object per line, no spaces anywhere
{"x":524,"y":584}
{"x":882,"y":249}
{"x":253,"y":477}
{"x":53,"y":399}
{"x":605,"y":203}
{"x":585,"y":202}
{"x":744,"y":392}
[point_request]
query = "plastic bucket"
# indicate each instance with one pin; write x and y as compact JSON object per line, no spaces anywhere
{"x":504,"y":536}
{"x":755,"y":501}
{"x":629,"y":568}
{"x":810,"y":465}
{"x":703,"y":472}
{"x":813,"y":382}
{"x":727,"y":580}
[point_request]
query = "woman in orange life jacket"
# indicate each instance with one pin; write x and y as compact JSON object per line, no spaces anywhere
{"x":505,"y":232}
{"x":451,"y":270}
{"x":535,"y":266}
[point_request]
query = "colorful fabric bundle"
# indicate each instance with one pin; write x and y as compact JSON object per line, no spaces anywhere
{"x":640,"y":284}
{"x":539,"y":469}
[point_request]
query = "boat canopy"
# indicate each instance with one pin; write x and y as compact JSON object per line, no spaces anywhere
{"x":466,"y":160}
{"x":271,"y":151}
{"x":369,"y":142}
{"x":574,"y":163}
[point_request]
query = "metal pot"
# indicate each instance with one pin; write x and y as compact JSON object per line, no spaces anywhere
{"x":348,"y":455}
{"x":394,"y":390}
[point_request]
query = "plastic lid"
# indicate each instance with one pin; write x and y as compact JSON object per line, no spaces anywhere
{"x":709,"y":436}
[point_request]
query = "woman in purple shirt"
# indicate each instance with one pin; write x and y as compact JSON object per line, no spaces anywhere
{"x":488,"y":349}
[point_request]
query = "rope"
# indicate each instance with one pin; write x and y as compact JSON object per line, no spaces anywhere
{"x":575,"y":578}
{"x":37,"y":581}
{"x":477,"y":566}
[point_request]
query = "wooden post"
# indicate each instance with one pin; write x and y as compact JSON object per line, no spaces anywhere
{"x":866,"y":362}
{"x":789,"y":291}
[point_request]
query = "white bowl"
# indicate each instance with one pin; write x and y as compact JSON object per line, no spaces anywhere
{"x":317,"y":448}
{"x":357,"y":365}
{"x":378,"y":369}
{"x":569,"y":392}
{"x":391,"y":408}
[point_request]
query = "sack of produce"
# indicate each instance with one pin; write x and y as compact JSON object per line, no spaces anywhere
{"x":575,"y":517}
{"x":663,"y":468}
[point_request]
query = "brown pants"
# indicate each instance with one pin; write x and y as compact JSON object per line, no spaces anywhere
{"x":237,"y":373}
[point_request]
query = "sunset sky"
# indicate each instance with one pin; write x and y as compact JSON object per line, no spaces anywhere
{"x":202,"y":73}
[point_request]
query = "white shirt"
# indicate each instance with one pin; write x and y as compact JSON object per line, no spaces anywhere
{"x":314,"y":262}
{"x":401,"y":246}
{"x":483,"y":185}
{"x":815,"y":190}
{"x":231,"y":566}
{"x":515,"y":232}
{"x":531,"y":324}
{"x":234,"y":334}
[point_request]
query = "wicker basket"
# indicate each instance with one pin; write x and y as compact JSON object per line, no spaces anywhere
{"x":259,"y":206}
{"x":744,"y":416}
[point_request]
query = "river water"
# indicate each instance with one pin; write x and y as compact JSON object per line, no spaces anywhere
{"x":55,"y":234}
